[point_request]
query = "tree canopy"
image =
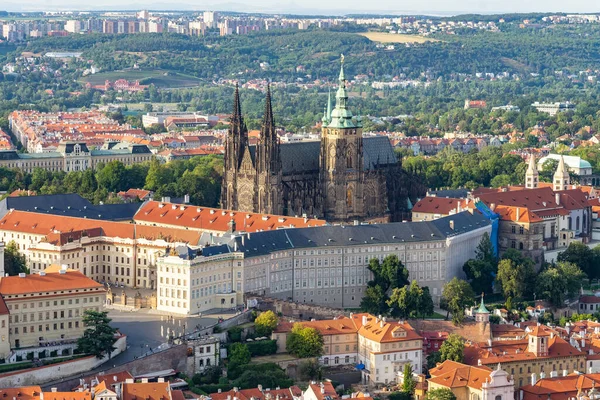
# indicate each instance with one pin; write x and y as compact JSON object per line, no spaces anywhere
{"x":304,"y":342}
{"x":457,"y":295}
{"x":453,"y":348}
{"x":265,"y":323}
{"x":14,"y":261}
{"x":98,"y":337}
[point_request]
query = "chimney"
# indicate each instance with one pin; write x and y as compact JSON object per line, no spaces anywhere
{"x":260,"y":388}
{"x":565,"y":372}
{"x":144,"y":380}
{"x":42,"y":273}
{"x":382,"y":323}
{"x":518,"y":213}
{"x":542,"y":375}
{"x":557,"y":198}
{"x":22,"y":275}
{"x":364,"y":320}
{"x":452,"y":224}
{"x":54,"y":390}
{"x":186,"y":199}
{"x":160,"y":380}
{"x":533,"y":379}
{"x":582,"y":342}
{"x":553,"y":374}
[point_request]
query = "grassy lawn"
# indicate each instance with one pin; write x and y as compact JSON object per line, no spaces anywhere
{"x":156,"y":77}
{"x":384,"y":37}
{"x":436,"y":316}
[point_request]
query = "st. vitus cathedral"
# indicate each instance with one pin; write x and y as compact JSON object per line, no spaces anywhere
{"x":345,"y":177}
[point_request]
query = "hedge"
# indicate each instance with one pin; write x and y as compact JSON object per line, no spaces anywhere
{"x":262,"y":347}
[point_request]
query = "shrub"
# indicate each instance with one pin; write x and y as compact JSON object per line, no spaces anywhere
{"x":262,"y":347}
{"x":235,"y":334}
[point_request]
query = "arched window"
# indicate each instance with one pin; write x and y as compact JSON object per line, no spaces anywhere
{"x":520,"y":245}
{"x":499,"y":397}
{"x":349,"y":160}
{"x":326,"y":361}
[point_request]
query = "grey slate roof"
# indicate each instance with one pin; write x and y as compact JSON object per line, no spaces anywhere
{"x":264,"y":243}
{"x":304,"y":156}
{"x":70,"y":205}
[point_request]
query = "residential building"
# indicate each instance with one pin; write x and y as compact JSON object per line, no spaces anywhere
{"x":589,"y":304}
{"x":320,"y":391}
{"x":561,"y":386}
{"x":260,"y":393}
{"x":74,"y":156}
{"x":46,"y":309}
{"x":381,"y":347}
{"x":207,"y":352}
{"x":472,"y":382}
{"x":553,"y":108}
{"x":541,"y":352}
{"x":340,"y":339}
{"x":384,"y":347}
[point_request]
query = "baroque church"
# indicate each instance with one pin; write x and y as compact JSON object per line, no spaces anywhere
{"x":345,"y":177}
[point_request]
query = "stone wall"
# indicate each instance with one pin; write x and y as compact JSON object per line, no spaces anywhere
{"x":299,"y":311}
{"x":49,"y":373}
{"x":174,"y":357}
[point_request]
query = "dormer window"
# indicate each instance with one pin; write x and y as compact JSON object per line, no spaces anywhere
{"x":77,"y":149}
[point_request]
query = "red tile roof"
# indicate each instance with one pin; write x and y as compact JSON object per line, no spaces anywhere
{"x":53,"y":226}
{"x":146,"y":391}
{"x":35,"y":283}
{"x":438,"y":205}
{"x":21,"y":393}
{"x":452,"y":375}
{"x":563,"y":387}
{"x":211,"y":219}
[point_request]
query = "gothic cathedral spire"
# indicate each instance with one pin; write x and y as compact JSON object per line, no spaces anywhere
{"x":268,"y":158}
{"x":237,"y":137}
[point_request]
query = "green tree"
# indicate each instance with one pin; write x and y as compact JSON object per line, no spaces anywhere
{"x":457,"y":295}
{"x":411,"y":301}
{"x":516,"y":278}
{"x":99,"y":337}
{"x":374,"y":300}
{"x":582,"y":256}
{"x":238,"y":355}
{"x":408,"y":382}
{"x":311,"y":370}
{"x":304,"y":342}
{"x":265,"y":323}
{"x":453,"y":348}
{"x":440,"y":394}
{"x":433,"y":359}
{"x":558,"y":282}
{"x":14,"y":261}
{"x":158,"y":175}
{"x":112,"y":176}
{"x":480,"y":271}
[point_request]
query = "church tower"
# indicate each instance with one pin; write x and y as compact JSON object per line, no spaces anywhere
{"x":561,"y":177}
{"x":236,"y":148}
{"x":268,"y":165}
{"x":532,"y":175}
{"x":341,"y":160}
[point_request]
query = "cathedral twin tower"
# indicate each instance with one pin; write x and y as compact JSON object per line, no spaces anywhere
{"x":252,"y":176}
{"x":344,"y":177}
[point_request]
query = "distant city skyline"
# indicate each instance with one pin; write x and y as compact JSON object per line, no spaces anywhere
{"x":335,"y":7}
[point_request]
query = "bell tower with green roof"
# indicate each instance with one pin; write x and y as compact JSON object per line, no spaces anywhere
{"x":341,"y":161}
{"x":482,"y":314}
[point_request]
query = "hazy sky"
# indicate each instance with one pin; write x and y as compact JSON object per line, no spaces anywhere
{"x":442,"y":7}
